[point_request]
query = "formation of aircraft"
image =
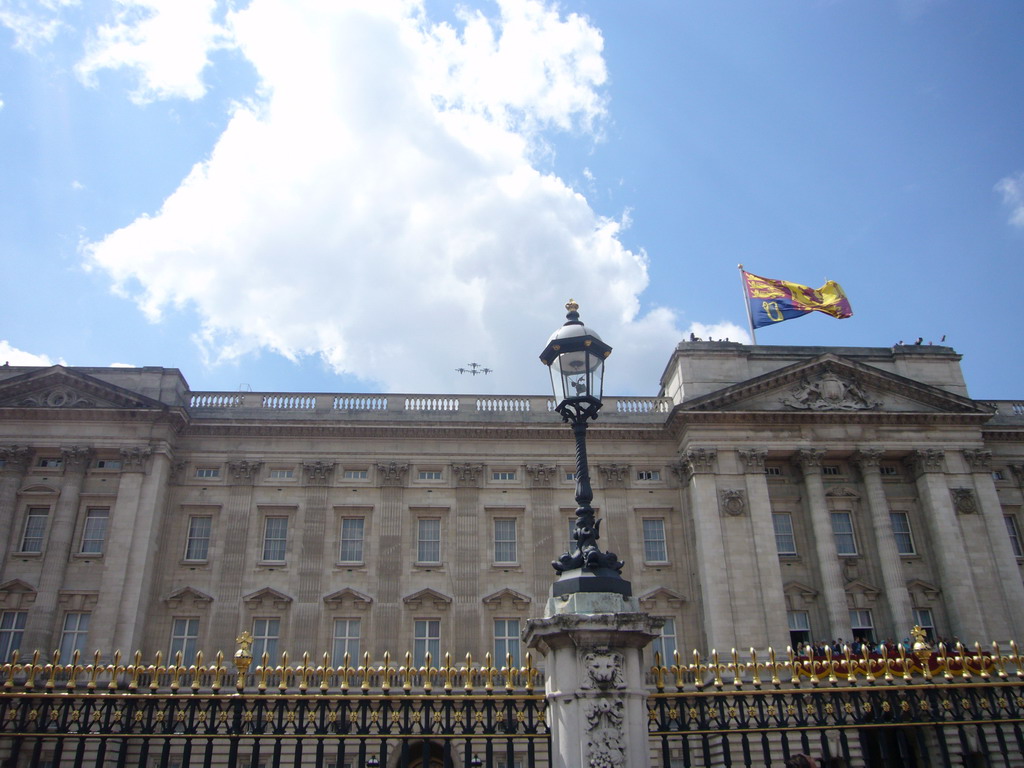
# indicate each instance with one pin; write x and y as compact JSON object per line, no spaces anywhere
{"x":474,"y":369}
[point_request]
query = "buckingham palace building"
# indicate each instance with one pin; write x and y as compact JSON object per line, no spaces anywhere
{"x":767,"y":496}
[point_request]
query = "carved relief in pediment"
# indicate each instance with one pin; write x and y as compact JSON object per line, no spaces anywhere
{"x":828,"y":392}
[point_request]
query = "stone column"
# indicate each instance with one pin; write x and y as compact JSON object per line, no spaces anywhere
{"x":313,"y":561}
{"x":769,"y":571}
{"x":953,"y":567}
{"x":391,"y":563}
{"x":595,"y":683}
{"x":227,"y":606}
{"x":716,"y":599}
{"x":901,"y":616}
{"x":469,"y":527}
{"x":1009,"y":617}
{"x":549,"y":530}
{"x":832,"y":591}
{"x":16,"y":459}
{"x":41,"y":628}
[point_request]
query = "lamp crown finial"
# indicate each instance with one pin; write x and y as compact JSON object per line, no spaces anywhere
{"x":572,"y":306}
{"x":572,"y":313}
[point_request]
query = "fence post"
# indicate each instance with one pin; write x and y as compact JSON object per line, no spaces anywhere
{"x":593,"y":646}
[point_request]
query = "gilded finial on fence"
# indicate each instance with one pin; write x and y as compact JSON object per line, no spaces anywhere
{"x":922,"y":648}
{"x":243,"y":656}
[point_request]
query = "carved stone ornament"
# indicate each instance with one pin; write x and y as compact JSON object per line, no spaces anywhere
{"x":809,"y":460}
{"x":613,"y":475}
{"x":134,"y":459}
{"x":753,"y":459}
{"x":15,"y":457}
{"x":868,"y":459}
{"x":58,"y":397}
{"x":699,"y":461}
{"x":606,"y":743}
{"x":828,"y":393}
{"x":76,"y":457}
{"x":468,"y":475}
{"x":541,"y":475}
{"x":244,"y":470}
{"x":979,"y":461}
{"x":963,"y":501}
{"x":178,"y":470}
{"x":733,"y":502}
{"x":604,"y":670}
{"x":318,"y":472}
{"x":392,"y":473}
{"x":928,"y":460}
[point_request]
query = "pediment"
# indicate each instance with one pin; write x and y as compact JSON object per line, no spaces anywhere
{"x":60,"y":387}
{"x":798,"y":588}
{"x":16,"y":585}
{"x":859,"y":586}
{"x":429,"y":596}
{"x":830,"y":383}
{"x":496,"y":599}
{"x":348,"y":595}
{"x":267,"y":595}
{"x":188,"y":594}
{"x":661,"y":596}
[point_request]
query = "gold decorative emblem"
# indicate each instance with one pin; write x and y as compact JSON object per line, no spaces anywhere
{"x":886,"y":706}
{"x":866,"y":706}
{"x":848,"y":708}
{"x":1001,"y":702}
{"x":75,"y":714}
{"x":138,"y":717}
{"x":947,"y":705}
{"x":458,"y":718}
{"x":829,"y":709}
{"x":290,"y":717}
{"x":673,"y":714}
{"x":96,"y":717}
{"x":771,"y":711}
{"x":905,"y":706}
{"x":332,"y":717}
{"x":159,"y":717}
{"x":437,"y":717}
{"x":201,"y":717}
{"x":965,"y":703}
{"x":33,"y":714}
{"x":353,"y":717}
{"x":221,"y":718}
{"x":732,"y":711}
{"x":693,"y":713}
{"x":247,"y":717}
{"x":479,"y":717}
{"x":520,"y":716}
{"x":117,"y":716}
{"x":790,"y":710}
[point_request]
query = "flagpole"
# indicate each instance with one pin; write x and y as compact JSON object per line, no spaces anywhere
{"x":746,"y":303}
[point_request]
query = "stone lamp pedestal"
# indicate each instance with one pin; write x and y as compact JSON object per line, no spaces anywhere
{"x":593,"y":646}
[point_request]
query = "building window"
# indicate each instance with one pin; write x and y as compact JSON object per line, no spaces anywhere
{"x":785,"y":541}
{"x":12,"y":627}
{"x":923,"y":619}
{"x":95,"y":531}
{"x":654,"y":540}
{"x":206,"y":473}
{"x":799,"y":628}
{"x":427,"y":639}
{"x":1013,"y":534}
{"x":830,"y":469}
{"x":428,"y":540}
{"x":901,"y":532}
{"x":506,"y":641}
{"x":282,"y":474}
{"x":108,"y":464}
{"x":888,"y":470}
{"x":356,"y":474}
{"x":35,"y":529}
{"x":351,"y":540}
{"x":184,"y":638}
{"x":51,"y":463}
{"x":570,"y":476}
{"x":346,"y":640}
{"x":648,"y":474}
{"x":505,"y":541}
{"x":265,"y":634}
{"x":862,"y":625}
{"x":842,"y":530}
{"x":504,"y":475}
{"x":74,"y":634}
{"x":666,"y":643}
{"x":773,"y":471}
{"x":197,"y":545}
{"x":275,"y":539}
{"x":430,"y":474}
{"x":997,"y":474}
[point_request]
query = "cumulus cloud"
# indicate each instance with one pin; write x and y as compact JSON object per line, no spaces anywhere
{"x":719,"y":332}
{"x":33,"y":22}
{"x":379,"y":204}
{"x":14,"y":356}
{"x":1012,"y":190}
{"x":165,"y":42}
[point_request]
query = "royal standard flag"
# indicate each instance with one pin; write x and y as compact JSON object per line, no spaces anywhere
{"x":772,"y":301}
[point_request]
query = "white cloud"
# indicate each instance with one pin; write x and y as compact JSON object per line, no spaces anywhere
{"x":166,"y":43}
{"x":33,"y":22}
{"x":123,"y":365}
{"x":724,"y":331}
{"x":13,"y":356}
{"x":1012,"y":190}
{"x":379,"y":206}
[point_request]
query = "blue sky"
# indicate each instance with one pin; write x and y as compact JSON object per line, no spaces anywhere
{"x":363,"y":196}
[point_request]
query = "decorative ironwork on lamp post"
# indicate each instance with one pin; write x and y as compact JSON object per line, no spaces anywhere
{"x":575,"y":357}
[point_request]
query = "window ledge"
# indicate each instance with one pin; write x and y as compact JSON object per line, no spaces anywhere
{"x":507,"y":566}
{"x":271,"y":563}
{"x":429,"y":566}
{"x":194,"y":563}
{"x":360,"y":565}
{"x":28,"y":554}
{"x":87,"y":555}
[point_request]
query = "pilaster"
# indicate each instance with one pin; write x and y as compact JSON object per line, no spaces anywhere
{"x":809,"y":462}
{"x":16,"y":459}
{"x":313,"y":560}
{"x":547,"y":526}
{"x":466,"y":542}
{"x":616,"y":530}
{"x":392,"y":563}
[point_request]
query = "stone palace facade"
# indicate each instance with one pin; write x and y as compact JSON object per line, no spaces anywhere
{"x":767,"y":496}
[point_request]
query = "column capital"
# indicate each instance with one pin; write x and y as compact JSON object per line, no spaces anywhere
{"x":318,"y":472}
{"x":541,"y":475}
{"x":699,"y":461}
{"x":753,"y":459}
{"x":978,"y":460}
{"x":244,"y":470}
{"x":809,"y":460}
{"x":16,"y":458}
{"x":613,"y":475}
{"x":1018,"y":472}
{"x":468,"y":475}
{"x":134,"y":459}
{"x":392,"y":473}
{"x":867,"y":460}
{"x":76,"y":458}
{"x":926,"y":460}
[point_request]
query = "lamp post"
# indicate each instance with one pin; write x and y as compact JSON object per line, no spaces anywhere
{"x":575,"y":357}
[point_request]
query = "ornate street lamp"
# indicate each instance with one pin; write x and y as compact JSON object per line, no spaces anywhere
{"x":575,"y":356}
